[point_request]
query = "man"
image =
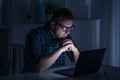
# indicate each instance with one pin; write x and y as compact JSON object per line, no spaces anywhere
{"x":45,"y":46}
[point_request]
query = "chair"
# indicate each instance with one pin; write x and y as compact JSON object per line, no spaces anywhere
{"x":17,"y":58}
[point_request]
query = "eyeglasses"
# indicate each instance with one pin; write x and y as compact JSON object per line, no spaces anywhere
{"x":65,"y":28}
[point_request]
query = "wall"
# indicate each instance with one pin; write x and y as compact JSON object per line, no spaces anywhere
{"x":110,"y":31}
{"x":22,"y":8}
{"x":82,"y":9}
{"x":85,"y":9}
{"x":105,"y":28}
{"x":115,"y":34}
{"x":58,"y":3}
{"x":88,"y":34}
{"x":19,"y":32}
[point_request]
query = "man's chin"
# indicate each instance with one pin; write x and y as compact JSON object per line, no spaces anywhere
{"x":63,"y":37}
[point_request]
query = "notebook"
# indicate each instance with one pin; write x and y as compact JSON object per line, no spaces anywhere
{"x":89,"y":62}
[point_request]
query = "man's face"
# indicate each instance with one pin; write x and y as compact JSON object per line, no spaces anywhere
{"x":63,"y":28}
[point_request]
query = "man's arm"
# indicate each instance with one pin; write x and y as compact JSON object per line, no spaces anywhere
{"x":76,"y":54}
{"x":46,"y":61}
{"x":72,"y":48}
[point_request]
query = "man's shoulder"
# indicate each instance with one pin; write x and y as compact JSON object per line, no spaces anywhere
{"x":40,"y":30}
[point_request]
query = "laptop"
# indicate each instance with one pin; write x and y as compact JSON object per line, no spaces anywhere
{"x":89,"y":62}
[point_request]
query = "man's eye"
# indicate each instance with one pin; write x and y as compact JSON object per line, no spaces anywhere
{"x":64,"y":28}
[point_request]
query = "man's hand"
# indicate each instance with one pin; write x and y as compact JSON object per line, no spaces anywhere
{"x":67,"y":45}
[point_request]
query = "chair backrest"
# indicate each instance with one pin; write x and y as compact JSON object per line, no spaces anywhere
{"x":18,"y":58}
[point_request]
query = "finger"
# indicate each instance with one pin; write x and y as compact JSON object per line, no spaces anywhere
{"x":68,"y":47}
{"x":67,"y":42}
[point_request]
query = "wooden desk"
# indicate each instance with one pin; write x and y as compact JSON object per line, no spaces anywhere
{"x":105,"y":73}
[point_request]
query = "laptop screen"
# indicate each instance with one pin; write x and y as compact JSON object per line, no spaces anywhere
{"x":89,"y":61}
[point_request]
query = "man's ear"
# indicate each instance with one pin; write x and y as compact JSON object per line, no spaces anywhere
{"x":53,"y":25}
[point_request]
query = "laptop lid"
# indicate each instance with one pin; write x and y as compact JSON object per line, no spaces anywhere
{"x":89,"y":61}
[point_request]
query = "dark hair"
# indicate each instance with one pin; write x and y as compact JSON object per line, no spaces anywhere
{"x":62,"y":14}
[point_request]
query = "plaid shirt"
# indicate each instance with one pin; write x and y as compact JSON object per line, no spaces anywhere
{"x":40,"y":42}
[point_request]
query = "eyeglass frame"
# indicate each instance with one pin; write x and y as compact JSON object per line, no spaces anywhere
{"x":66,"y":28}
